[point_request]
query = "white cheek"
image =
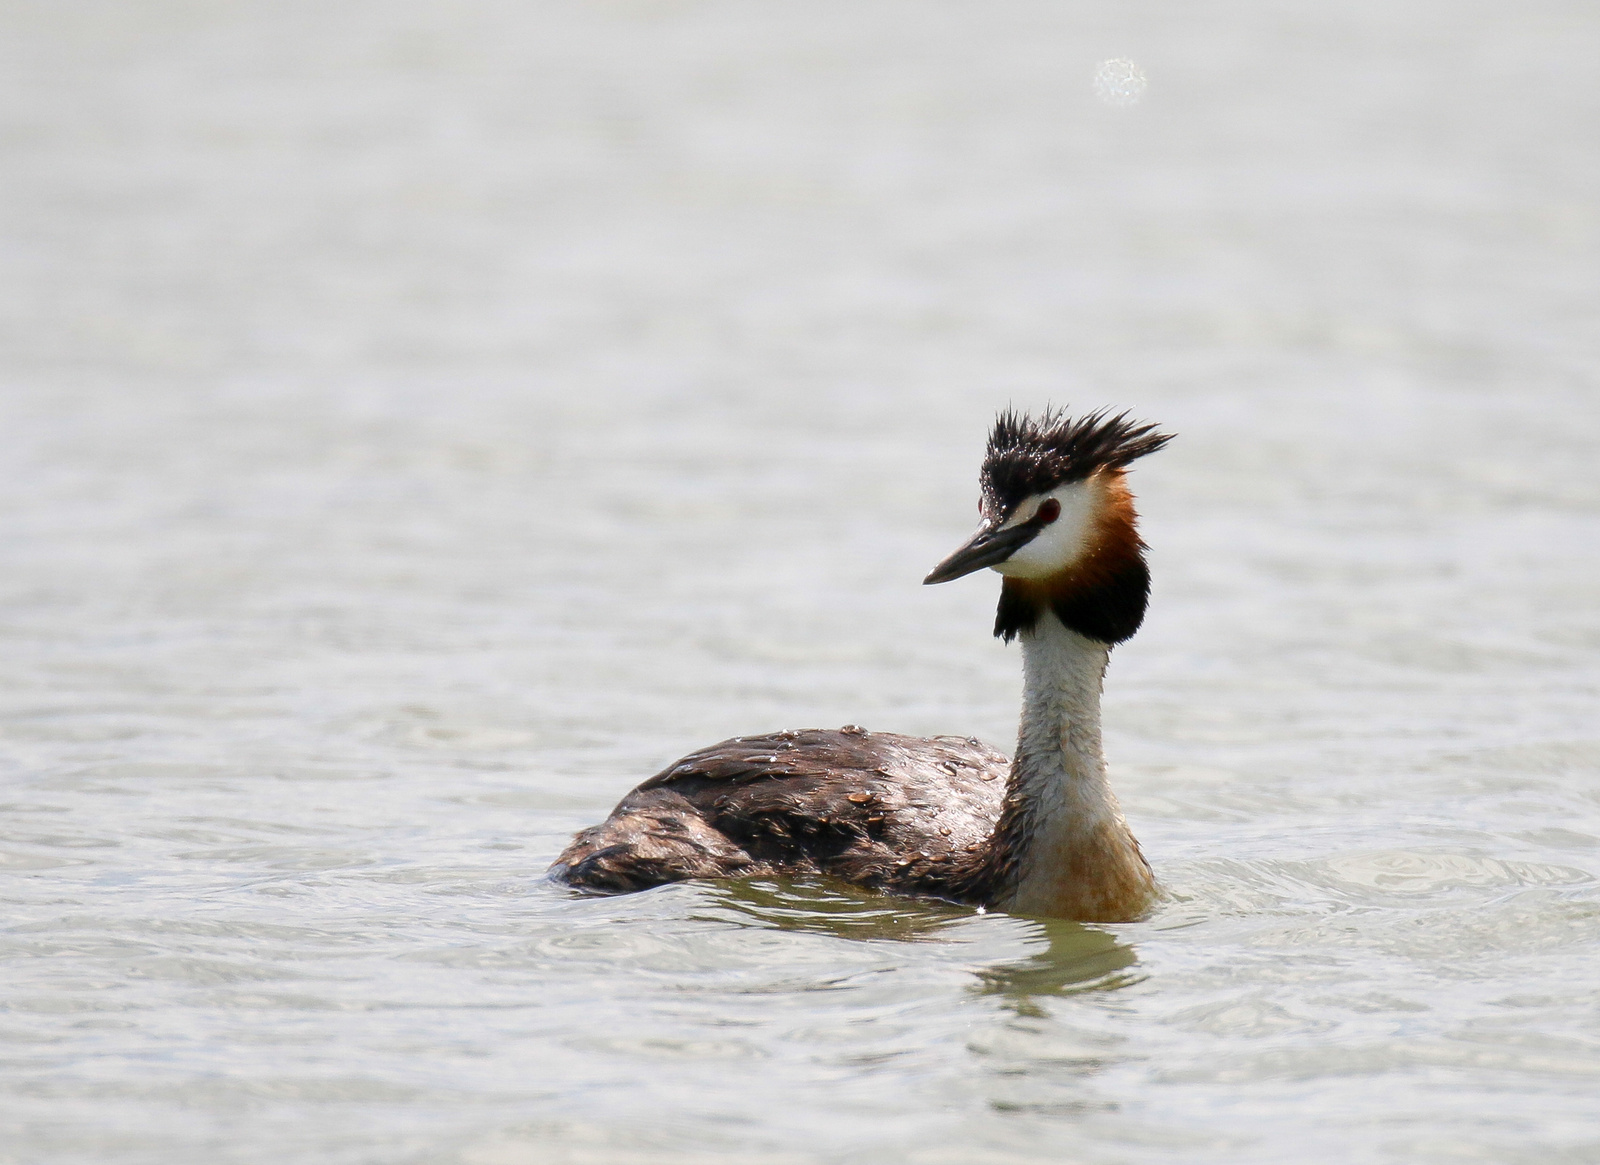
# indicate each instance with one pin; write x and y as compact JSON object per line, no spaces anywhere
{"x":1059,"y":544}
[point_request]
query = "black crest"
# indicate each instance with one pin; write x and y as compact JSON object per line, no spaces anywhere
{"x":1029,"y":455}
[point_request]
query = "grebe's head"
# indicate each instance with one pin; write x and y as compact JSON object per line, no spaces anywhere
{"x":1059,"y":524}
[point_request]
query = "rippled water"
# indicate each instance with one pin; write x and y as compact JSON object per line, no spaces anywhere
{"x":421,"y":421}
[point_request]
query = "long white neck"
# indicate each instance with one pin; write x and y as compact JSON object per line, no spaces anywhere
{"x":1075,"y":857}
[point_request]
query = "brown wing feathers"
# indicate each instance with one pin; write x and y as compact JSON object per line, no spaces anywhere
{"x":873,"y":808}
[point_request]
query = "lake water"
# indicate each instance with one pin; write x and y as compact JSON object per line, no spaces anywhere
{"x":421,"y":421}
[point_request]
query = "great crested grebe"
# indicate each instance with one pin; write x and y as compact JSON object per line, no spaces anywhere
{"x":934,"y":817}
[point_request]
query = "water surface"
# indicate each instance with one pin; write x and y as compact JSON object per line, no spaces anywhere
{"x":420,"y":422}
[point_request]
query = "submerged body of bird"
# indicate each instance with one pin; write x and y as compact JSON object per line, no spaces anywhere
{"x":945,"y":816}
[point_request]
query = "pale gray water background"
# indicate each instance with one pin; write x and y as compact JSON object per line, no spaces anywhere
{"x":421,"y":421}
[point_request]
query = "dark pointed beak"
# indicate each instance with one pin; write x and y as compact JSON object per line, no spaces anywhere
{"x":988,"y":547}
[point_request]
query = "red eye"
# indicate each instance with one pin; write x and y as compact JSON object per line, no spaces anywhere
{"x":1049,"y":512}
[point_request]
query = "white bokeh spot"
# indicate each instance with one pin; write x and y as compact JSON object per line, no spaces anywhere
{"x":1119,"y":82}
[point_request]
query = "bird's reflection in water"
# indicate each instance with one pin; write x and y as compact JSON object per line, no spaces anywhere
{"x":1075,"y":958}
{"x":836,"y":909}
